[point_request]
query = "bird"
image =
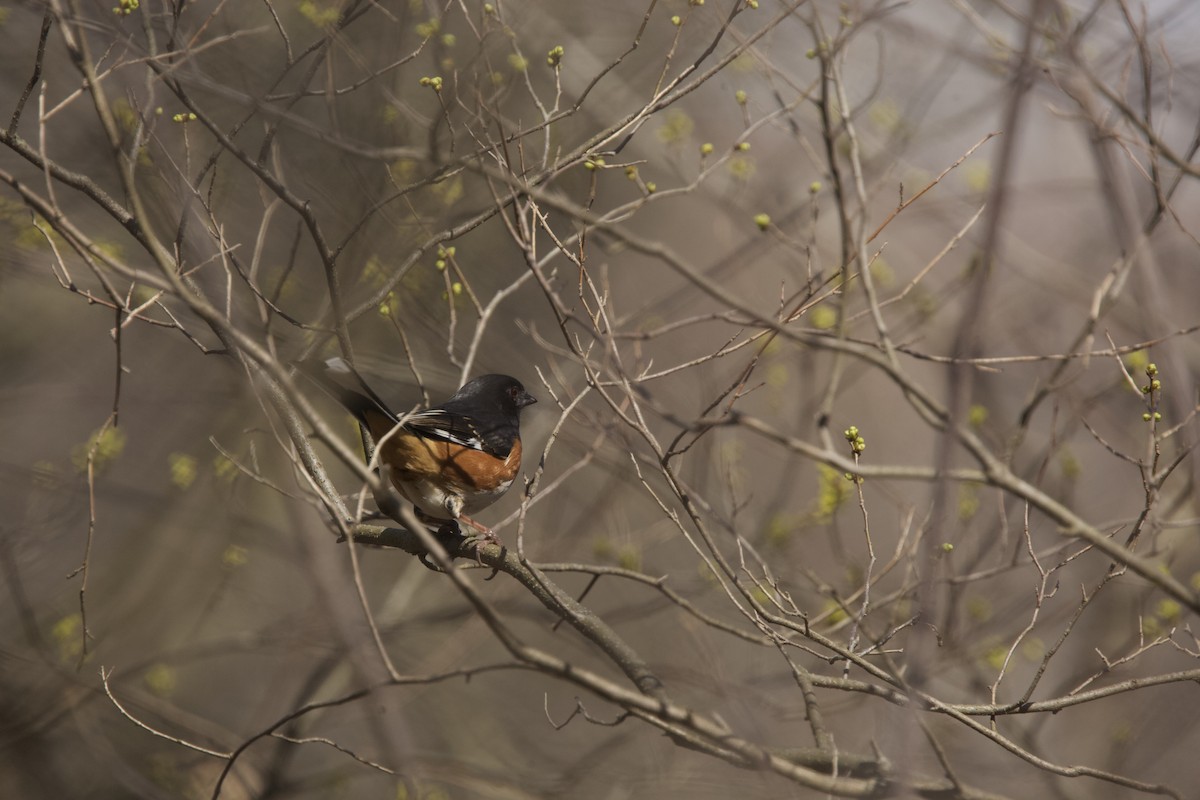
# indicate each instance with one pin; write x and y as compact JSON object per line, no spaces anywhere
{"x":450,"y":460}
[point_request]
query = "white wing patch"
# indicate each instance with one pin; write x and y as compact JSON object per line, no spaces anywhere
{"x":338,"y":365}
{"x":429,"y":421}
{"x":472,"y":442}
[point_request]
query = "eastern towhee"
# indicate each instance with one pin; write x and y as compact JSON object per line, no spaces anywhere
{"x":450,"y":460}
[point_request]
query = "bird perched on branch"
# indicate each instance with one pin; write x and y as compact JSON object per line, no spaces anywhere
{"x":451,"y":460}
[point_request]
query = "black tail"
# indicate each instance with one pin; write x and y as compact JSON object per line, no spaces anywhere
{"x":346,"y":386}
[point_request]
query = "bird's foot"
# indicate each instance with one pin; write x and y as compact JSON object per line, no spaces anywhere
{"x":483,"y":532}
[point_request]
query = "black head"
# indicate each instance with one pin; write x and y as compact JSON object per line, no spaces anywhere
{"x":498,"y":391}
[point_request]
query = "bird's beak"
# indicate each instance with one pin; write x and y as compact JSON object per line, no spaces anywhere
{"x":525,"y":399}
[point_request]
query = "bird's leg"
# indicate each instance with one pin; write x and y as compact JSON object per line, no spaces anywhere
{"x":485,"y":533}
{"x":454,"y":504}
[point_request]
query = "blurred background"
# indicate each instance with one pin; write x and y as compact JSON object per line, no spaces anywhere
{"x":670,"y":216}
